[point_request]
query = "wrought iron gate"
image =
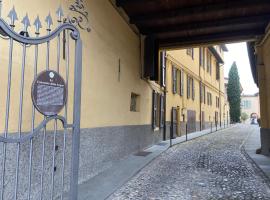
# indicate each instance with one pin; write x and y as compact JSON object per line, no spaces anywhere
{"x":40,"y":159}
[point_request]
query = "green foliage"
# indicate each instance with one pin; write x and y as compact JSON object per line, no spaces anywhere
{"x":234,"y":94}
{"x":244,"y":116}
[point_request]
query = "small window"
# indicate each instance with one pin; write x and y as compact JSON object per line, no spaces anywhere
{"x":190,"y":52}
{"x":134,"y":103}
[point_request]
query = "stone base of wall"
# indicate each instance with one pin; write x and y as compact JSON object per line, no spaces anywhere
{"x":265,"y":141}
{"x":99,"y":148}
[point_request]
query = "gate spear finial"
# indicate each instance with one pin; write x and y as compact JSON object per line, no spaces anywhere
{"x":60,"y":14}
{"x":49,"y":22}
{"x":38,"y":25}
{"x":13,"y":17}
{"x":26,"y":22}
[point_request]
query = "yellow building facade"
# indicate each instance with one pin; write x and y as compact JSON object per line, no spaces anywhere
{"x":195,"y":88}
{"x":123,"y":108}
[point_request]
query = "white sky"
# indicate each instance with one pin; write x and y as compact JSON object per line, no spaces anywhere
{"x":238,"y":53}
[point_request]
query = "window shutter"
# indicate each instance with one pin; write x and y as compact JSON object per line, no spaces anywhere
{"x":162,"y":113}
{"x":154,"y":110}
{"x":150,"y":69}
{"x":200,"y":56}
{"x":163,"y":68}
{"x":174,"y":81}
{"x":210,"y":64}
{"x":193,"y":89}
{"x":217,"y":71}
{"x":204,"y":94}
{"x":201,"y":93}
{"x":182,"y":83}
{"x":188,"y":87}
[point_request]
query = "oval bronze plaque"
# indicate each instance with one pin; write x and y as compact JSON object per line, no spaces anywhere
{"x":49,"y":93}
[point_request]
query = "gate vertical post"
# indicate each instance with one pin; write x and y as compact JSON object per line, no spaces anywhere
{"x":76,"y":122}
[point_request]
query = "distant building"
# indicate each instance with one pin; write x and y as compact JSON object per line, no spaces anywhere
{"x":250,"y":104}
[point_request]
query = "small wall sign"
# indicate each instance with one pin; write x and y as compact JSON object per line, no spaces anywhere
{"x":49,"y":93}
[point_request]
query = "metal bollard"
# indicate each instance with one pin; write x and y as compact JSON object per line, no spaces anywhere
{"x":216,"y":126}
{"x":211,"y":127}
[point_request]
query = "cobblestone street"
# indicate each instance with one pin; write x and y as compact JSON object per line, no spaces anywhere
{"x":211,"y":167}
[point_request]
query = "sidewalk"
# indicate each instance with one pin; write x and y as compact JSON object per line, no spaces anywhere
{"x":103,"y":185}
{"x":251,"y":145}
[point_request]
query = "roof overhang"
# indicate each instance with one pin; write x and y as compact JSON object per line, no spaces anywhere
{"x":216,"y":54}
{"x":182,"y":23}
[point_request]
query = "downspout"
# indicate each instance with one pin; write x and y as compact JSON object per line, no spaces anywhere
{"x":165,"y":113}
{"x":165,"y":104}
{"x":219,"y":97}
{"x":200,"y":101}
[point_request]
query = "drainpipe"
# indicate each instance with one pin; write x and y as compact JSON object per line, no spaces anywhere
{"x":220,"y":99}
{"x":165,"y":104}
{"x":200,"y":102}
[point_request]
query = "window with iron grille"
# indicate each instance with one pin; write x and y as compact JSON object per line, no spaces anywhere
{"x":134,"y":103}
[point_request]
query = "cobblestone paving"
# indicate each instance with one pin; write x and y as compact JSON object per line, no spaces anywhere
{"x":210,"y":167}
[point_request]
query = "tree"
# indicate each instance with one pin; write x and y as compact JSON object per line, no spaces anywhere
{"x":244,"y":116}
{"x":234,"y":94}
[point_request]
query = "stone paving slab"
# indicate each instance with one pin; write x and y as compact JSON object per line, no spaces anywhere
{"x":104,"y":184}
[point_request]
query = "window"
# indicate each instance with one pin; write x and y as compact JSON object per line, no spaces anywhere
{"x":246,"y":104}
{"x":158,"y":110}
{"x":190,"y":52}
{"x":209,"y":62}
{"x":163,"y":68}
{"x":134,"y":103}
{"x":174,"y":80}
{"x":201,"y":57}
{"x":181,"y":82}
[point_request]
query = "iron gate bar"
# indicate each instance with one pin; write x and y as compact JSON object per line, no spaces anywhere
{"x":76,"y":122}
{"x":66,"y":114}
{"x":37,"y":24}
{"x":7,"y":105}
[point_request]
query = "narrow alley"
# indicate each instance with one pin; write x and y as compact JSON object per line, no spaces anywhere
{"x":214,"y":166}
